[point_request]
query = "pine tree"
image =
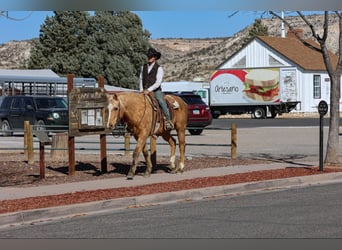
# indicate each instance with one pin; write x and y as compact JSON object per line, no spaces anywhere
{"x":61,"y":40}
{"x":258,"y":29}
{"x":112,"y":44}
{"x":121,"y":44}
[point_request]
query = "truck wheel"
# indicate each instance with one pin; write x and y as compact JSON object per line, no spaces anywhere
{"x":215,"y":116}
{"x":195,"y":131}
{"x":258,"y":113}
{"x":6,"y":128}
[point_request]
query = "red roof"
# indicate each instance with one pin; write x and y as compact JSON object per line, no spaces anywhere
{"x":294,"y":50}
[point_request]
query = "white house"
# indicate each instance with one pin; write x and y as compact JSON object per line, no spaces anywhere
{"x":313,"y":82}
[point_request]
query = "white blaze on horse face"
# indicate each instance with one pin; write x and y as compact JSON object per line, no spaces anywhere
{"x":110,"y":108}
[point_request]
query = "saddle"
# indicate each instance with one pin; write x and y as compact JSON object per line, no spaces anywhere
{"x":158,"y":114}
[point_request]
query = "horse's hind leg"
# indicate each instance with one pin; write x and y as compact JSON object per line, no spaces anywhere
{"x":181,"y":141}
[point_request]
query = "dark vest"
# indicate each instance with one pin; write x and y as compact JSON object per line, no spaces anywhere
{"x":148,"y":79}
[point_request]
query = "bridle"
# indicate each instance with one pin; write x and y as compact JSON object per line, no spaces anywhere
{"x":117,"y":115}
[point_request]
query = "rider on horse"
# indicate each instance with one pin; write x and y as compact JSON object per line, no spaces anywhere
{"x":151,"y":76}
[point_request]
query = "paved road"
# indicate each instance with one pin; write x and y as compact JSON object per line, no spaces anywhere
{"x":311,"y":212}
{"x":278,"y":122}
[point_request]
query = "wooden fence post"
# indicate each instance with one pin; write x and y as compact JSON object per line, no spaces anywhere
{"x":30,"y":152}
{"x":233,"y":141}
{"x":71,"y":139}
{"x":26,"y":128}
{"x":103,"y":138}
{"x":59,"y":147}
{"x":41,"y":160}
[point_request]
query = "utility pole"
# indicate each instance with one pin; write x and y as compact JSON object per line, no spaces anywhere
{"x":282,"y":25}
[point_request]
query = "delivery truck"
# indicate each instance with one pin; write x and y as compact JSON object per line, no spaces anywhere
{"x":197,"y":87}
{"x":261,"y":92}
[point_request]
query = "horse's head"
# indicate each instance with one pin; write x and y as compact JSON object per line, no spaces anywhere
{"x":113,"y":110}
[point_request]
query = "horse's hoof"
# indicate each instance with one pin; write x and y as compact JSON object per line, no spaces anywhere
{"x":147,"y":175}
{"x":173,"y":171}
{"x":129,"y":177}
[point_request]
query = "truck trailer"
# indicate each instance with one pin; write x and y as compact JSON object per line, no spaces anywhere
{"x":261,"y":92}
{"x":197,"y":87}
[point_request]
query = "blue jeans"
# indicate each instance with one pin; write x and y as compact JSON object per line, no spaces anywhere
{"x":160,"y":98}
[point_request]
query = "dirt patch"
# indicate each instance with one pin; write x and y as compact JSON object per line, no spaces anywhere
{"x":15,"y":171}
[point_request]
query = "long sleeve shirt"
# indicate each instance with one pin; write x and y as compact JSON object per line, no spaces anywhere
{"x":160,"y":74}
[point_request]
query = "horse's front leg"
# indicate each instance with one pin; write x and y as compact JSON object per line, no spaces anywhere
{"x":172,"y":142}
{"x":148,"y":162}
{"x":141,"y":143}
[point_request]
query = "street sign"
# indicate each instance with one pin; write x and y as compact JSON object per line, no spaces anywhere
{"x":88,"y":112}
{"x":322,"y":108}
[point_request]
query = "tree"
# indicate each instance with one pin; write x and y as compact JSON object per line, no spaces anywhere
{"x":119,"y":43}
{"x":62,"y":38}
{"x":108,"y":43}
{"x":258,"y":29}
{"x":334,"y":72}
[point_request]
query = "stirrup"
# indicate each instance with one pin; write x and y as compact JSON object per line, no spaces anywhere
{"x":169,"y":125}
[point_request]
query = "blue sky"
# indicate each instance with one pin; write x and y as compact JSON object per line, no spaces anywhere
{"x":161,"y":24}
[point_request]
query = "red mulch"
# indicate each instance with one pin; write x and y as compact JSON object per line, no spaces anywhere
{"x":7,"y":206}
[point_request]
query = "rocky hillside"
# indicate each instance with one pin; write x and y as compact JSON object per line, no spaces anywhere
{"x":186,"y":59}
{"x":14,"y":54}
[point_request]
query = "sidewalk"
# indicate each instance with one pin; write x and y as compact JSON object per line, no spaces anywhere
{"x":10,"y":193}
{"x":39,"y":215}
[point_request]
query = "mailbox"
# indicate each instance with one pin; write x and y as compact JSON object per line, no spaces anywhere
{"x":88,"y":112}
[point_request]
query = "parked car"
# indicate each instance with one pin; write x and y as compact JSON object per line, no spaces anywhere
{"x":199,"y":115}
{"x":44,"y":112}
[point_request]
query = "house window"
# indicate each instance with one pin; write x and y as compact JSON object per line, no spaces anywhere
{"x":273,"y":62}
{"x":317,"y":87}
{"x":241,"y":63}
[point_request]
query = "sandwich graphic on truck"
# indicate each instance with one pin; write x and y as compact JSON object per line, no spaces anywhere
{"x":262,"y":85}
{"x":262,"y":92}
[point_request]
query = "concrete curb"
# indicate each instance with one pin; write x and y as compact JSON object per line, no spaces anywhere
{"x":54,"y":213}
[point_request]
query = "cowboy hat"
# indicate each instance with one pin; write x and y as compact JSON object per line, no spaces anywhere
{"x":152,"y":52}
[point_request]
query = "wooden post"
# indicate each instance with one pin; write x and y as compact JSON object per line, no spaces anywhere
{"x":26,"y":128}
{"x":103,"y":146}
{"x":103,"y":138}
{"x":41,"y":160}
{"x":59,"y":146}
{"x":233,"y":141}
{"x":153,"y":149}
{"x":71,"y":139}
{"x":127,"y":143}
{"x":30,"y":152}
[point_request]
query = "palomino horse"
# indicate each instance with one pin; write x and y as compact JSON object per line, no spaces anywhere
{"x":136,"y":111}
